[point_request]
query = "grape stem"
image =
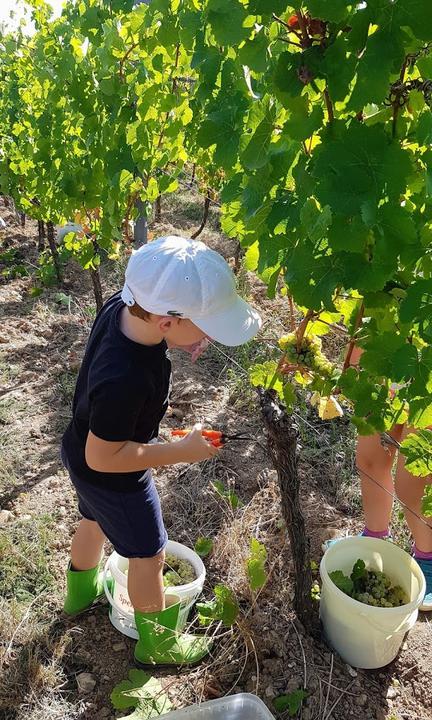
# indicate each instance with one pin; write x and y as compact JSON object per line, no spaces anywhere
{"x":302,"y":327}
{"x":352,"y":343}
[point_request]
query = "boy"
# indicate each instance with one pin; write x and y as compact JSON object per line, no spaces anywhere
{"x":178,"y":293}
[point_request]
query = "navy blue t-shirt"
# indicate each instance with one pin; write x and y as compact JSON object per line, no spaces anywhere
{"x":121,"y":394}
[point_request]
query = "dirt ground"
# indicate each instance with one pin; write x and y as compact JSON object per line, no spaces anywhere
{"x":268,"y":652}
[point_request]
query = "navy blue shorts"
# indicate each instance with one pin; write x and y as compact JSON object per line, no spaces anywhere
{"x":132,"y":522}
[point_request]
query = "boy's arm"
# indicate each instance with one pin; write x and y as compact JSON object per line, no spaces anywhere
{"x":123,"y":457}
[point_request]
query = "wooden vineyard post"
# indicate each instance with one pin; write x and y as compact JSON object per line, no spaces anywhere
{"x":282,"y":442}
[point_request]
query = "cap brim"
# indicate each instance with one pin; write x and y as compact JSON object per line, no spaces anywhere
{"x":235,"y":325}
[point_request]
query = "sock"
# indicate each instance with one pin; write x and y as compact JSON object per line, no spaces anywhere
{"x":420,"y":555}
{"x":381,"y":534}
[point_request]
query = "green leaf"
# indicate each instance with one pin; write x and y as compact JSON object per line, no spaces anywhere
{"x":255,"y":155}
{"x":383,"y":51}
{"x":316,"y":221}
{"x":226,"y":18}
{"x":358,"y":571}
{"x":251,"y":257}
{"x":224,"y":607}
{"x":405,"y":363}
{"x":332,"y":10}
{"x":266,"y":375}
{"x":417,"y":448}
{"x":301,"y":123}
{"x":143,"y":692}
{"x":254,"y":53}
{"x":291,"y":702}
{"x":341,"y":581}
{"x":420,"y":412}
{"x":255,"y":565}
{"x":203,"y":546}
{"x":379,"y":352}
{"x":358,"y":166}
{"x":426,"y":506}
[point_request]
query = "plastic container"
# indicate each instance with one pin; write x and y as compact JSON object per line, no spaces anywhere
{"x":234,"y":707}
{"x":121,"y":612}
{"x":363,"y":635}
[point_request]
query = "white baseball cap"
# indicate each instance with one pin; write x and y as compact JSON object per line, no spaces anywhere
{"x":184,"y":278}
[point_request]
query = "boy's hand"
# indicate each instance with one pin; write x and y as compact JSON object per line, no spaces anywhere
{"x":194,"y":447}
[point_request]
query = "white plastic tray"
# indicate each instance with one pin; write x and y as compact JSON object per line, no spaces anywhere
{"x":243,"y":706}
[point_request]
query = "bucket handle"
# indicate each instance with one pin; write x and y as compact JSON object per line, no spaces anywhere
{"x":107,"y":591}
{"x":403,"y":627}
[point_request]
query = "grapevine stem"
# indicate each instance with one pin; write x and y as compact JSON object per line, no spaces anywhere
{"x":302,"y":327}
{"x":306,"y":40}
{"x":329,"y":105}
{"x":124,"y":58}
{"x":353,"y":341}
{"x":292,"y":313}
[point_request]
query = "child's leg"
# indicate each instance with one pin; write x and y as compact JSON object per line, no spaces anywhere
{"x":376,"y":461}
{"x":410,"y":490}
{"x":145,"y":583}
{"x":87,"y":545}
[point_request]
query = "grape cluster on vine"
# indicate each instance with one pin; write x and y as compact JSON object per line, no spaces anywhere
{"x":306,"y":355}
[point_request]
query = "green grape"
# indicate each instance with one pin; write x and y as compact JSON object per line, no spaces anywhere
{"x":374,"y":588}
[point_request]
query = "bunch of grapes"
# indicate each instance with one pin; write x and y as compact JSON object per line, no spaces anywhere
{"x":370,"y":587}
{"x":308,"y":355}
{"x":378,"y":591}
{"x":177,"y":571}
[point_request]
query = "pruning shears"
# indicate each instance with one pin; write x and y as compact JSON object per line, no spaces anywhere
{"x":216,"y":437}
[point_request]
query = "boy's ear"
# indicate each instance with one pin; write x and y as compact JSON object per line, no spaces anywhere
{"x":166,"y":323}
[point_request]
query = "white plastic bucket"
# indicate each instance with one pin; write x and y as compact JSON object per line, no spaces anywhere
{"x":121,"y":611}
{"x":363,"y":635}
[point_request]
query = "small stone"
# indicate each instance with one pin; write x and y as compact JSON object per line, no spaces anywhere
{"x":25,"y":517}
{"x":361,"y":700}
{"x":5,"y":516}
{"x":62,"y":511}
{"x":391,"y":693}
{"x":293,"y":684}
{"x":351,"y":671}
{"x":119,"y":646}
{"x":86,"y":683}
{"x":270,"y":691}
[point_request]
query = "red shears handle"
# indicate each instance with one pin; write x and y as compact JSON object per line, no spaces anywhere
{"x":216,"y":436}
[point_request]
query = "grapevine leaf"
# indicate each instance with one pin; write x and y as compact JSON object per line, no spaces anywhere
{"x":261,"y":7}
{"x":383,"y":51}
{"x":255,"y":155}
{"x":358,"y":571}
{"x":301,"y":123}
{"x":427,"y":501}
{"x":291,"y":702}
{"x":266,"y":375}
{"x":314,"y":220}
{"x":420,"y":412}
{"x":332,"y":10}
{"x":405,"y":363}
{"x":379,"y":352}
{"x":203,"y":546}
{"x":143,"y":692}
{"x":417,"y":448}
{"x":341,"y":581}
{"x":254,"y":52}
{"x":255,"y":565}
{"x":226,"y":18}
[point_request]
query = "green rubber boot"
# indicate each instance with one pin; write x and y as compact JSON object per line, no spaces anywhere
{"x":160,"y":643}
{"x":84,"y":587}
